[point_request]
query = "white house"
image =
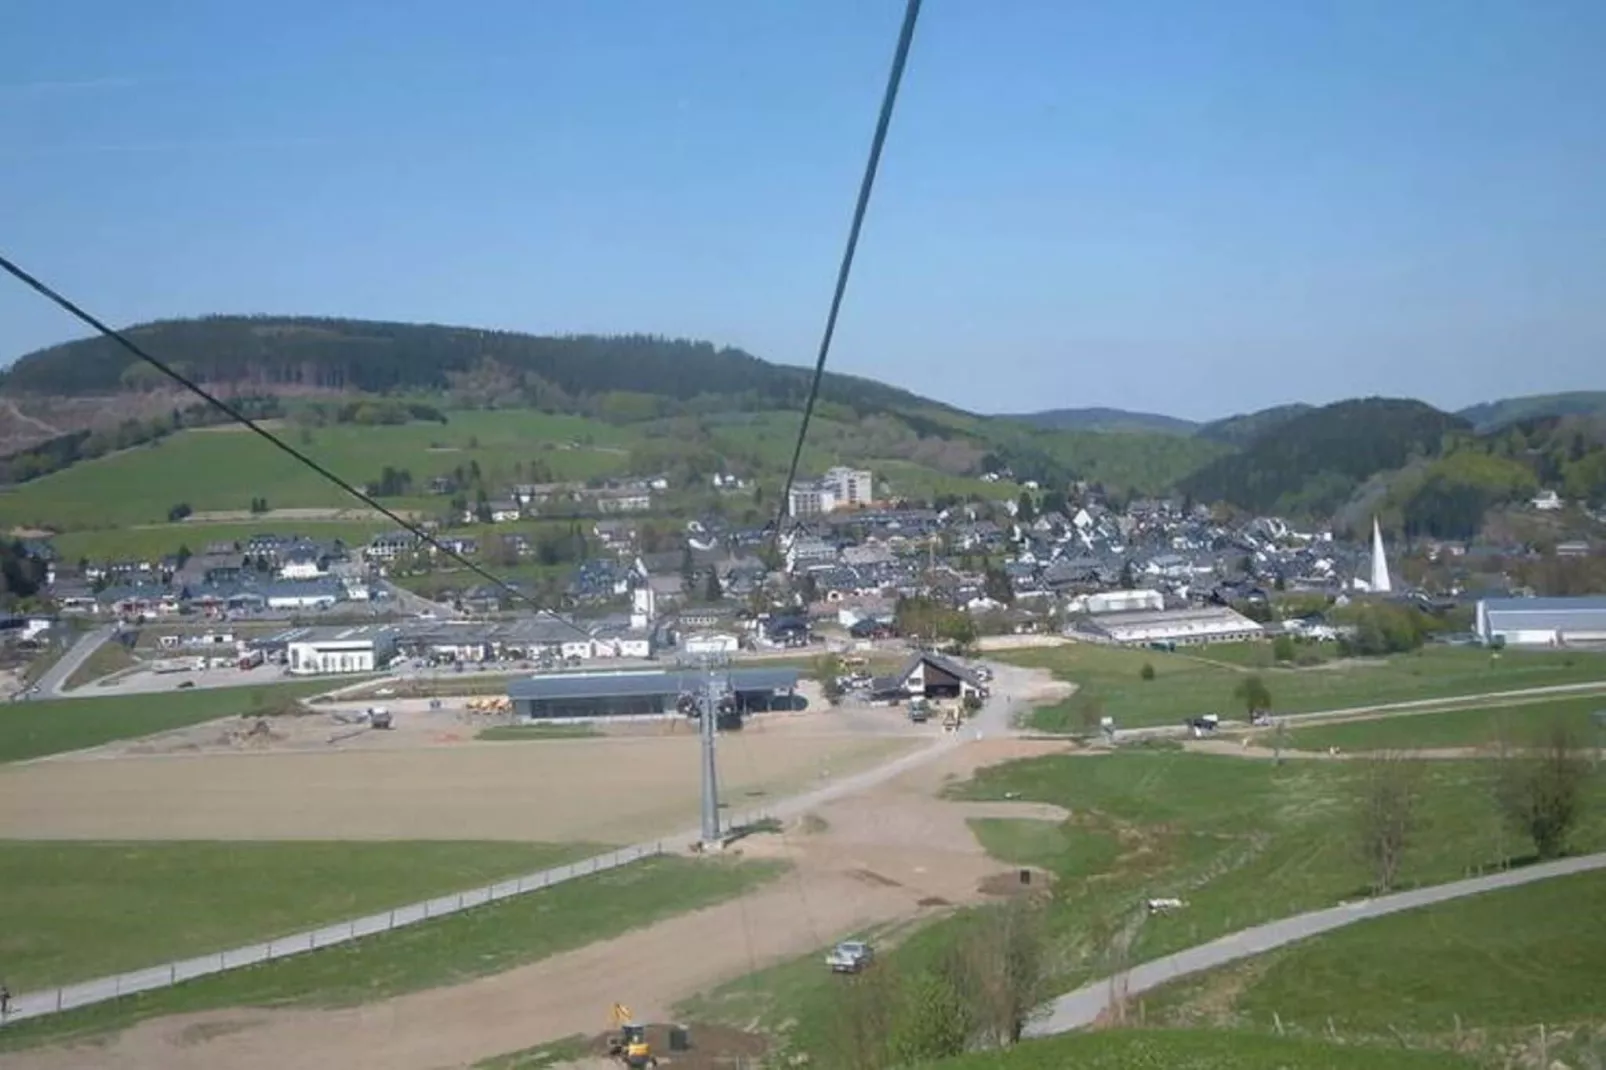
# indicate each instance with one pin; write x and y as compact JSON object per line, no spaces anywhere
{"x":301,"y":568}
{"x":710,"y":643}
{"x":303,"y":594}
{"x":333,"y":650}
{"x":1547,"y":501}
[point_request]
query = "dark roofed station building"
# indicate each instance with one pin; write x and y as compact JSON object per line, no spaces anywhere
{"x":643,"y":694}
{"x":928,"y":675}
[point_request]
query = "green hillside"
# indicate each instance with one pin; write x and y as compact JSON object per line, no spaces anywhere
{"x":1240,"y":430}
{"x":1312,"y":463}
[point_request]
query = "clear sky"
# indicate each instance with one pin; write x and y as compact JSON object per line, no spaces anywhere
{"x":1194,"y":208}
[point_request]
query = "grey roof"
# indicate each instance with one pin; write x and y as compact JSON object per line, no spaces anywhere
{"x":1588,"y":603}
{"x":1545,"y":614}
{"x":952,"y":668}
{"x":627,"y":684}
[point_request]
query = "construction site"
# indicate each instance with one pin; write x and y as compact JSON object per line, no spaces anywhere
{"x":889,"y":853}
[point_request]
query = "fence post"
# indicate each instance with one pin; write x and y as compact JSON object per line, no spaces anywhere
{"x":392,"y":924}
{"x":172,"y":973}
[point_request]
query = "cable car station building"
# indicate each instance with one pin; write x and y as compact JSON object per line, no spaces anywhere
{"x":656,"y":692}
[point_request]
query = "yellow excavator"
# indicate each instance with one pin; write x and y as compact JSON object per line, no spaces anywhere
{"x":629,"y":1045}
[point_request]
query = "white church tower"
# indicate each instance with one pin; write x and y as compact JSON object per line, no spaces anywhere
{"x":1380,"y":562}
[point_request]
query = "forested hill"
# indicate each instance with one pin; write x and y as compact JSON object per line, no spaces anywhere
{"x":266,"y":351}
{"x":1098,"y":419}
{"x":1313,"y":462}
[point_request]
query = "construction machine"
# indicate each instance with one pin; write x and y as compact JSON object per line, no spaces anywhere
{"x":629,"y":1045}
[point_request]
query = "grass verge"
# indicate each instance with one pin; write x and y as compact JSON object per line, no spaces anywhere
{"x":1176,"y":1049}
{"x":485,"y":940}
{"x":111,"y":656}
{"x":540,"y":1057}
{"x":518,"y":732}
{"x":35,"y":729}
{"x":65,"y":915}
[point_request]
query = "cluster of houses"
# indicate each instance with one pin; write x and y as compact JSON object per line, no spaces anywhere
{"x":1151,"y":572}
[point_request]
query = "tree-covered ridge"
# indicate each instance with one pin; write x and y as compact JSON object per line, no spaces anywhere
{"x":1246,"y":427}
{"x":1312,"y":463}
{"x":379,"y":357}
{"x":1494,"y":415}
{"x":1449,"y":496}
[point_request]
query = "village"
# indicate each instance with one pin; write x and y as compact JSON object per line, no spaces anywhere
{"x":846,"y":567}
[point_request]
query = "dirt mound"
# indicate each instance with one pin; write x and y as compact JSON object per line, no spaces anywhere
{"x":710,"y":1047}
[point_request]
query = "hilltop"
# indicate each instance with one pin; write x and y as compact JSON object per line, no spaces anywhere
{"x":1101,"y":419}
{"x":634,"y":405}
{"x":267,"y":353}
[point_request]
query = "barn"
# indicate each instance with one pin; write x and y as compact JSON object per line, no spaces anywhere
{"x":643,"y":693}
{"x":1542,"y":621}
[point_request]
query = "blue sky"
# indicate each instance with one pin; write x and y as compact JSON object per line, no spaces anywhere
{"x":1193,"y":208}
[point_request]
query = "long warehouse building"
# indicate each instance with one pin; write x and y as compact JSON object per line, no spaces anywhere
{"x":1542,"y":621}
{"x":642,"y":694}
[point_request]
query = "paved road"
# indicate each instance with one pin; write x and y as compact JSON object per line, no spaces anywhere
{"x":1081,"y":1008}
{"x":49,"y":684}
{"x":1381,"y":710}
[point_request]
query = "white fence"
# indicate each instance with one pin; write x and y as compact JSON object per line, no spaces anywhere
{"x":49,"y":1001}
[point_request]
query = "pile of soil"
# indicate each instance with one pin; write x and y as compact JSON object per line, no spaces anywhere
{"x":713,"y":1047}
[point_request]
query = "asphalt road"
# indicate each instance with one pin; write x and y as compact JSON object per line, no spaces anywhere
{"x":1081,"y":1008}
{"x":49,"y":684}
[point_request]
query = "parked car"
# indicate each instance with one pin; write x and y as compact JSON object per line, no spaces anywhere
{"x":851,"y":956}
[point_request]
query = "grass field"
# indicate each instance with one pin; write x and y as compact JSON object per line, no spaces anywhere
{"x":1513,"y":723}
{"x":67,"y":909}
{"x":1503,"y":962}
{"x":1182,"y":1049}
{"x":1243,"y":842}
{"x":35,"y":729}
{"x":1110,"y":682}
{"x":224,"y":469}
{"x":149,"y":542}
{"x":485,"y":940}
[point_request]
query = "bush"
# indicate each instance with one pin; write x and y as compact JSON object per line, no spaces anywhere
{"x":1282,"y":648}
{"x":1147,"y":672}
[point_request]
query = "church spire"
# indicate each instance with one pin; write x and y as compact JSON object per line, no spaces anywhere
{"x":1380,"y":563}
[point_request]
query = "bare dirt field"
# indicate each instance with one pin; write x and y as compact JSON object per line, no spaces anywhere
{"x":427,"y":779}
{"x":894,"y":851}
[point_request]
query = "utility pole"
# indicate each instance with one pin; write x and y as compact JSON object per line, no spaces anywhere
{"x":713,"y":691}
